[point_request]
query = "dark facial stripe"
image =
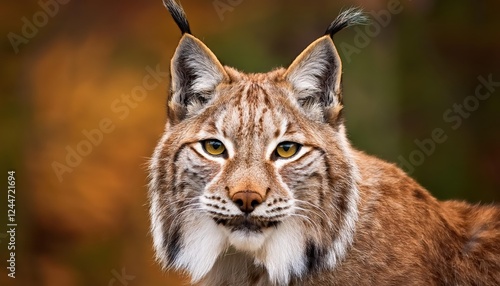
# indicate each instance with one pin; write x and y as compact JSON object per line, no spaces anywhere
{"x":172,"y":243}
{"x":339,"y":199}
{"x":174,"y":164}
{"x":327,"y":167}
{"x":299,"y":167}
{"x":315,"y":256}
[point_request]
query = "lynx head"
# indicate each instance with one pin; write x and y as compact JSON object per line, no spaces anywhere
{"x":253,"y":164}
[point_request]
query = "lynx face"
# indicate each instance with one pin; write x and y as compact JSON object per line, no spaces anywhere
{"x":253,"y":168}
{"x":253,"y":164}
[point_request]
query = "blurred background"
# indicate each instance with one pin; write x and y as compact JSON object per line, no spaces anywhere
{"x":83,"y":88}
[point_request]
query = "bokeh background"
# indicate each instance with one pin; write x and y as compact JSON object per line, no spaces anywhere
{"x":75,"y":72}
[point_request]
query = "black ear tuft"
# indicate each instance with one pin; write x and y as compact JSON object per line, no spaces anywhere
{"x":178,"y":14}
{"x":347,"y":18}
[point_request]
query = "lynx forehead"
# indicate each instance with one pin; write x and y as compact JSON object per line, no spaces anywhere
{"x":255,"y":183}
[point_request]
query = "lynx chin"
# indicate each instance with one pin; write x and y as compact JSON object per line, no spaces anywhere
{"x":254,"y":182}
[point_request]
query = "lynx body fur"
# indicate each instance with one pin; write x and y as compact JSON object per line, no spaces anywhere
{"x":229,"y":206}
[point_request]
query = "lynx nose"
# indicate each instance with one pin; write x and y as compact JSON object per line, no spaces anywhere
{"x":247,"y":201}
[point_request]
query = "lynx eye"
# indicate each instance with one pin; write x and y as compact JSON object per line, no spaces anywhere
{"x":213,"y":147}
{"x":287,"y":149}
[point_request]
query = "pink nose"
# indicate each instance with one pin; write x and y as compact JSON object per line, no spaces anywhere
{"x":247,"y":201}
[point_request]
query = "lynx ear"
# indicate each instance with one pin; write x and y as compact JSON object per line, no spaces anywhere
{"x":195,"y":74}
{"x":315,"y":76}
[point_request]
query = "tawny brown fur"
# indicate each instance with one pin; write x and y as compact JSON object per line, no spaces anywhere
{"x":406,"y":237}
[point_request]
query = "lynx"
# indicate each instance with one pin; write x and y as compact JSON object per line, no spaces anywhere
{"x":254,"y":182}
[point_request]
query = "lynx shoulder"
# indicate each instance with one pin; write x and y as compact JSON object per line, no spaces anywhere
{"x":254,"y":182}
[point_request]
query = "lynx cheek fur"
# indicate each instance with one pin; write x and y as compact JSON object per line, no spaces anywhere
{"x":255,"y":183}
